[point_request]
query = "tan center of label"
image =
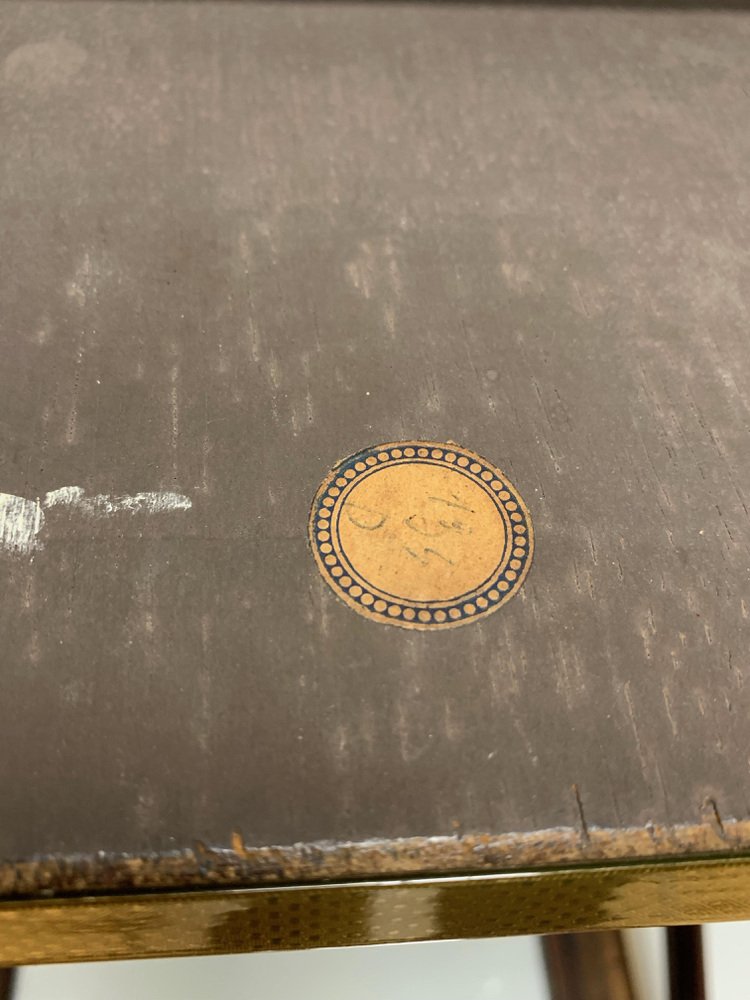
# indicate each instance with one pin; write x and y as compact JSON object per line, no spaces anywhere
{"x":421,"y":532}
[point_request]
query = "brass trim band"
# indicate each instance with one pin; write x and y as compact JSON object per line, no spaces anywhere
{"x":274,"y":918}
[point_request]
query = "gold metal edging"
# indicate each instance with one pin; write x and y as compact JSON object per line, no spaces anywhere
{"x":424,"y":909}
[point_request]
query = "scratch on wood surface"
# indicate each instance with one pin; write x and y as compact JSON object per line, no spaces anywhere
{"x":592,"y":546}
{"x":668,"y":709}
{"x":711,"y":814}
{"x":360,"y":270}
{"x":634,"y":725}
{"x":174,"y":413}
{"x":585,"y":837}
{"x":83,"y":284}
{"x":71,"y":431}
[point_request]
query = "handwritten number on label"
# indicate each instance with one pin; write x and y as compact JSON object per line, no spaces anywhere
{"x":366,"y":518}
{"x":424,"y":559}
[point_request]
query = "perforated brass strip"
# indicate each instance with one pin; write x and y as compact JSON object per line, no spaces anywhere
{"x":377,"y":912}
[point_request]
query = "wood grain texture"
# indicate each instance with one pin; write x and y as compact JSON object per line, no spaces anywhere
{"x":242,"y":241}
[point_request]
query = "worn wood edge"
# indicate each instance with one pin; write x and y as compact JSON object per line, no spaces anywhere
{"x":556,"y":901}
{"x":242,"y":866}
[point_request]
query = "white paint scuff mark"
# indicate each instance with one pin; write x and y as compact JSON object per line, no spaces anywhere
{"x":65,"y":495}
{"x":104,"y":504}
{"x":22,"y":520}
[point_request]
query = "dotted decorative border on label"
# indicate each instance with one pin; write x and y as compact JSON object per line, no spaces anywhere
{"x":358,"y":593}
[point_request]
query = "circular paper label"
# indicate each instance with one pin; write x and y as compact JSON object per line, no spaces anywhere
{"x":420,"y":534}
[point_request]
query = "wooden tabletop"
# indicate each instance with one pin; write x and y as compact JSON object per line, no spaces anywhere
{"x":241,"y":242}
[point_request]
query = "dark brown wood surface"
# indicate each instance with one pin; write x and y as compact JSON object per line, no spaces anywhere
{"x":242,"y":241}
